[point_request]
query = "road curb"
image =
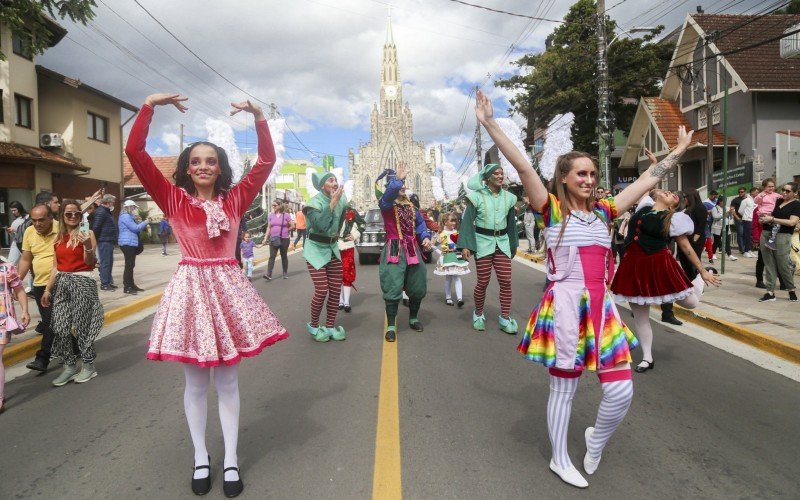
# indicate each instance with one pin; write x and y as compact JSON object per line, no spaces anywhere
{"x":27,"y":349}
{"x":762,"y":341}
{"x":17,"y":353}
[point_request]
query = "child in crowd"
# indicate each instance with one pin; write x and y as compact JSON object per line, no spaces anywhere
{"x":450,"y":264}
{"x":766,"y":201}
{"x":247,"y":246}
{"x":11,"y":286}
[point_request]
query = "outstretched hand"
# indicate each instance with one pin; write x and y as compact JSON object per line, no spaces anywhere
{"x":710,"y":278}
{"x":402,"y":171}
{"x":248,"y":107}
{"x":176,"y":100}
{"x":684,"y":138}
{"x":483,"y":107}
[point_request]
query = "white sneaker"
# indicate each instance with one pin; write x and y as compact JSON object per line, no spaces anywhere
{"x":749,"y":255}
{"x":732,"y":257}
{"x":569,"y":476}
{"x":590,"y":464}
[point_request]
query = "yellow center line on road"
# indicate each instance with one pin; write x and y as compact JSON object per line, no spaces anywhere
{"x":386,"y":480}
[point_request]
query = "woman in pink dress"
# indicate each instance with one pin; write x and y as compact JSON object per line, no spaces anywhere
{"x":210,"y":314}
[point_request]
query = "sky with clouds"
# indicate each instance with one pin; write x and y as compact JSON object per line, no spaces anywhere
{"x":319,"y":61}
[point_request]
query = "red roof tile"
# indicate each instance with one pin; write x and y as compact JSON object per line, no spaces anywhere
{"x":668,"y":117}
{"x":759,"y":67}
{"x":11,"y":151}
{"x":165,"y":164}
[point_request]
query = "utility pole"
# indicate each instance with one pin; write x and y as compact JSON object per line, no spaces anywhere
{"x":478,"y":139}
{"x":602,"y":95}
{"x":181,"y":149}
{"x":710,"y":135}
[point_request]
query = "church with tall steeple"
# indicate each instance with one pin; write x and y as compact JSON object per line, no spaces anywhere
{"x":391,"y":139}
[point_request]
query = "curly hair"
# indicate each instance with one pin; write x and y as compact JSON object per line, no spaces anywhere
{"x":184,"y":180}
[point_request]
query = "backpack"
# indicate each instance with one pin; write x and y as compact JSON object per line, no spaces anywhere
{"x":21,"y":231}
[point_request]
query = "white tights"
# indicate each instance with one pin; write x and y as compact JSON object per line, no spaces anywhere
{"x":450,"y":282}
{"x":195,"y":403}
{"x":641,"y":317}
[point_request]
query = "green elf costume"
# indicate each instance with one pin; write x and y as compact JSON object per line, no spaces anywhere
{"x":401,"y":264}
{"x":323,"y":259}
{"x":488,"y":230}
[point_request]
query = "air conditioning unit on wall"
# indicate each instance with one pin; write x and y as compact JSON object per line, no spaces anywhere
{"x":50,"y":140}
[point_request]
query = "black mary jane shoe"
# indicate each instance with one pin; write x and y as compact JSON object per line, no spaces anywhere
{"x":347,"y":308}
{"x":202,"y":486}
{"x":460,"y":304}
{"x":642,"y":369}
{"x":672,"y":320}
{"x":390,"y":336}
{"x":232,"y":488}
{"x":416,"y":326}
{"x":341,"y":306}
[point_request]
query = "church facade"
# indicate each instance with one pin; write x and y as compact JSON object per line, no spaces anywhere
{"x":391,"y":140}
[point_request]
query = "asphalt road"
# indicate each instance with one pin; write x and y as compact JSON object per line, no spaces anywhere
{"x":704,"y":423}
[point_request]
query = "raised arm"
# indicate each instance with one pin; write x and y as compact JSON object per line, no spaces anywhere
{"x":534,"y":187}
{"x":653,"y":175}
{"x":163,"y":192}
{"x":243,"y":194}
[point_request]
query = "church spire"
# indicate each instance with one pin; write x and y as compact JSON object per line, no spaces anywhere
{"x":389,"y":36}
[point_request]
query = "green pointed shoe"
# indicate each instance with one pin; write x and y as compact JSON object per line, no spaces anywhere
{"x":509,"y":325}
{"x":337,"y":333}
{"x":320,"y":333}
{"x":478,"y":322}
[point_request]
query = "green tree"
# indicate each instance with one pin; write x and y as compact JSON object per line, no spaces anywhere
{"x":564,"y":77}
{"x":792,"y":8}
{"x":255,"y":217}
{"x":27,"y":19}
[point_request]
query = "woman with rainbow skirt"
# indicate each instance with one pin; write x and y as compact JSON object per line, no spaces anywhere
{"x":576,"y":326}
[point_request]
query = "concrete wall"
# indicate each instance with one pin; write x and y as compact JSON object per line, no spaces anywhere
{"x":17,"y":75}
{"x":774,"y":111}
{"x":65,"y":110}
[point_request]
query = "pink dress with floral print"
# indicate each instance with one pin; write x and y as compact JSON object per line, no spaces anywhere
{"x":9,"y":281}
{"x":210,"y":313}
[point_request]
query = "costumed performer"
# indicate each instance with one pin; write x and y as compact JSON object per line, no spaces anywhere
{"x":325,"y":218}
{"x":401,"y":265}
{"x":576,"y":325}
{"x":489,"y":231}
{"x":210,"y":314}
{"x":450,"y":263}
{"x":350,"y":233}
{"x":649,"y":274}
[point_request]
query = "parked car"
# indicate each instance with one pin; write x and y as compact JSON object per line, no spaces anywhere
{"x":373,"y":238}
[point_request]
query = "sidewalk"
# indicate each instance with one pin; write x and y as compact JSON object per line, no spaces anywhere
{"x":152,"y":272}
{"x":733,"y":309}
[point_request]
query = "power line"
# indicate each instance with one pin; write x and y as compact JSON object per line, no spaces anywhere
{"x":498,"y":11}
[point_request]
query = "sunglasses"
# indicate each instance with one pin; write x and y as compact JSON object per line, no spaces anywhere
{"x":787,"y":191}
{"x":72,"y":214}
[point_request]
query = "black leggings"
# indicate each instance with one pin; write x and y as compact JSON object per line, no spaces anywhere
{"x":273,"y":252}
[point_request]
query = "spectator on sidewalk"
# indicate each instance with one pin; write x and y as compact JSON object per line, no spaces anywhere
{"x":708,"y":241}
{"x":50,"y":200}
{"x":246,"y":246}
{"x":778,"y":262}
{"x":300,"y":225}
{"x":128,"y":242}
{"x":529,"y":222}
{"x":20,"y":223}
{"x":745,"y":211}
{"x":164,"y":232}
{"x":72,"y":293}
{"x":721,"y":222}
{"x":695,"y":209}
{"x":106,"y":232}
{"x":277,"y":237}
{"x":38,"y":254}
{"x":733,"y":211}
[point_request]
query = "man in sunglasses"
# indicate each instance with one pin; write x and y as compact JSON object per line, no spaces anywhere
{"x":38,"y":253}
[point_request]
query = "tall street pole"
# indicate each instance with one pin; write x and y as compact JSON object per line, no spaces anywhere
{"x":478,"y":139}
{"x":602,"y":95}
{"x":725,"y":235}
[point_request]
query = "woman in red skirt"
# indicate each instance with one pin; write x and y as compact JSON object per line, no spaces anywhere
{"x":649,"y":274}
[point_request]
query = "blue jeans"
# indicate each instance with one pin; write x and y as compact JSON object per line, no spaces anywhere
{"x":248,"y":266}
{"x":746,"y":235}
{"x":105,"y":250}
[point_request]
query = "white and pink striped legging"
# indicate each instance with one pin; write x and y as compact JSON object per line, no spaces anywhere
{"x":502,"y":268}
{"x":327,"y":282}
